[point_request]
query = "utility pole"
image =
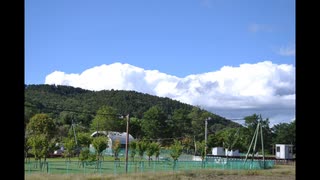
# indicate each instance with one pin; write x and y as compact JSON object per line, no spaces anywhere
{"x":205,"y":137}
{"x":254,"y":140}
{"x":127,"y":142}
{"x":74,"y":133}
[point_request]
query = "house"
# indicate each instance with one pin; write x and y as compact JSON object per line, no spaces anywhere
{"x":284,"y":151}
{"x":112,"y":137}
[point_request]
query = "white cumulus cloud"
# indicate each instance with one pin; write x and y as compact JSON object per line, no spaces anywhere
{"x":260,"y":85}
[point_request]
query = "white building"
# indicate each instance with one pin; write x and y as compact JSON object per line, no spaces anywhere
{"x":232,"y":152}
{"x":218,"y":151}
{"x":284,"y":151}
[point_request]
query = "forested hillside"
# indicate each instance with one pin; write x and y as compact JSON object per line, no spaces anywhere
{"x":65,"y":103}
{"x":151,"y":117}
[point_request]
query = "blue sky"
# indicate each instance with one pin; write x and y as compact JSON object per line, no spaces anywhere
{"x":177,"y":38}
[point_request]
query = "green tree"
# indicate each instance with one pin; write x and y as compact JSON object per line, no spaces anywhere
{"x":142,"y":147}
{"x":201,"y":148}
{"x":85,"y":156}
{"x":157,"y":150}
{"x":181,"y":123}
{"x":187,"y":143}
{"x":153,"y":123}
{"x":116,"y":148}
{"x":285,"y":133}
{"x":135,"y":128}
{"x":151,"y":149}
{"x":62,"y":131}
{"x":66,"y":117}
{"x":176,"y":150}
{"x":99,"y":143}
{"x":198,"y":117}
{"x":84,"y":139}
{"x":27,"y":146}
{"x":69,"y":145}
{"x":107,"y":119}
{"x":251,"y":123}
{"x":133,"y":149}
{"x":29,"y":112}
{"x":38,"y":143}
{"x":41,"y":124}
{"x":42,"y":128}
{"x":229,"y":138}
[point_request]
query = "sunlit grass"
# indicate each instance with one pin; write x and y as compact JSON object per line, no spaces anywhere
{"x":278,"y":170}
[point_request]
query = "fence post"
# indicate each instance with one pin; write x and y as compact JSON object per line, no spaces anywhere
{"x":114,"y":168}
{"x":67,"y":167}
{"x":84,"y":168}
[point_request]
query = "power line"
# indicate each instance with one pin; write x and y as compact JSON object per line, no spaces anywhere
{"x":160,"y":139}
{"x":75,"y":111}
{"x":236,"y":119}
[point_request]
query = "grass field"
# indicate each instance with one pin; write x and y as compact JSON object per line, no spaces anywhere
{"x":279,"y":172}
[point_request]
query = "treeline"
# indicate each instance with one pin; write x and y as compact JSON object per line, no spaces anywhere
{"x":151,"y":116}
{"x":154,"y":118}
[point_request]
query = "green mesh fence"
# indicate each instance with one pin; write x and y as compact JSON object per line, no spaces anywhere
{"x":118,"y":167}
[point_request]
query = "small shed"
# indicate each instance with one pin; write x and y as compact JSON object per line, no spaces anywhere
{"x":218,"y":151}
{"x":284,"y":151}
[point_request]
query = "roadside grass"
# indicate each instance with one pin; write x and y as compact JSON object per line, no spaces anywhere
{"x":277,"y":171}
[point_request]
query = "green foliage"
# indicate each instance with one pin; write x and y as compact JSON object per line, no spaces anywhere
{"x":141,"y":147}
{"x":229,"y":138}
{"x":41,"y":124}
{"x":133,"y":149}
{"x":84,"y":155}
{"x":176,"y":150}
{"x":157,"y":147}
{"x":251,"y":122}
{"x":198,"y":117}
{"x":181,"y":123}
{"x":69,"y":145}
{"x":151,"y":149}
{"x":67,"y":97}
{"x":285,"y":133}
{"x":99,"y":143}
{"x":38,"y":142}
{"x":29,"y":112}
{"x":40,"y":134}
{"x":107,"y":119}
{"x":187,"y":143}
{"x":84,"y":139}
{"x":201,"y":149}
{"x":153,"y":123}
{"x":151,"y":116}
{"x":63,"y":131}
{"x":116,"y":148}
{"x":197,"y":122}
{"x":135,"y":128}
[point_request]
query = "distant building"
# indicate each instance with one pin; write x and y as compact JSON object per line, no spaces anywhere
{"x":232,"y":152}
{"x":218,"y":151}
{"x":284,"y":151}
{"x":112,"y":137}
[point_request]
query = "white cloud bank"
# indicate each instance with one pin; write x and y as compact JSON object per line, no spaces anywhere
{"x":249,"y":86}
